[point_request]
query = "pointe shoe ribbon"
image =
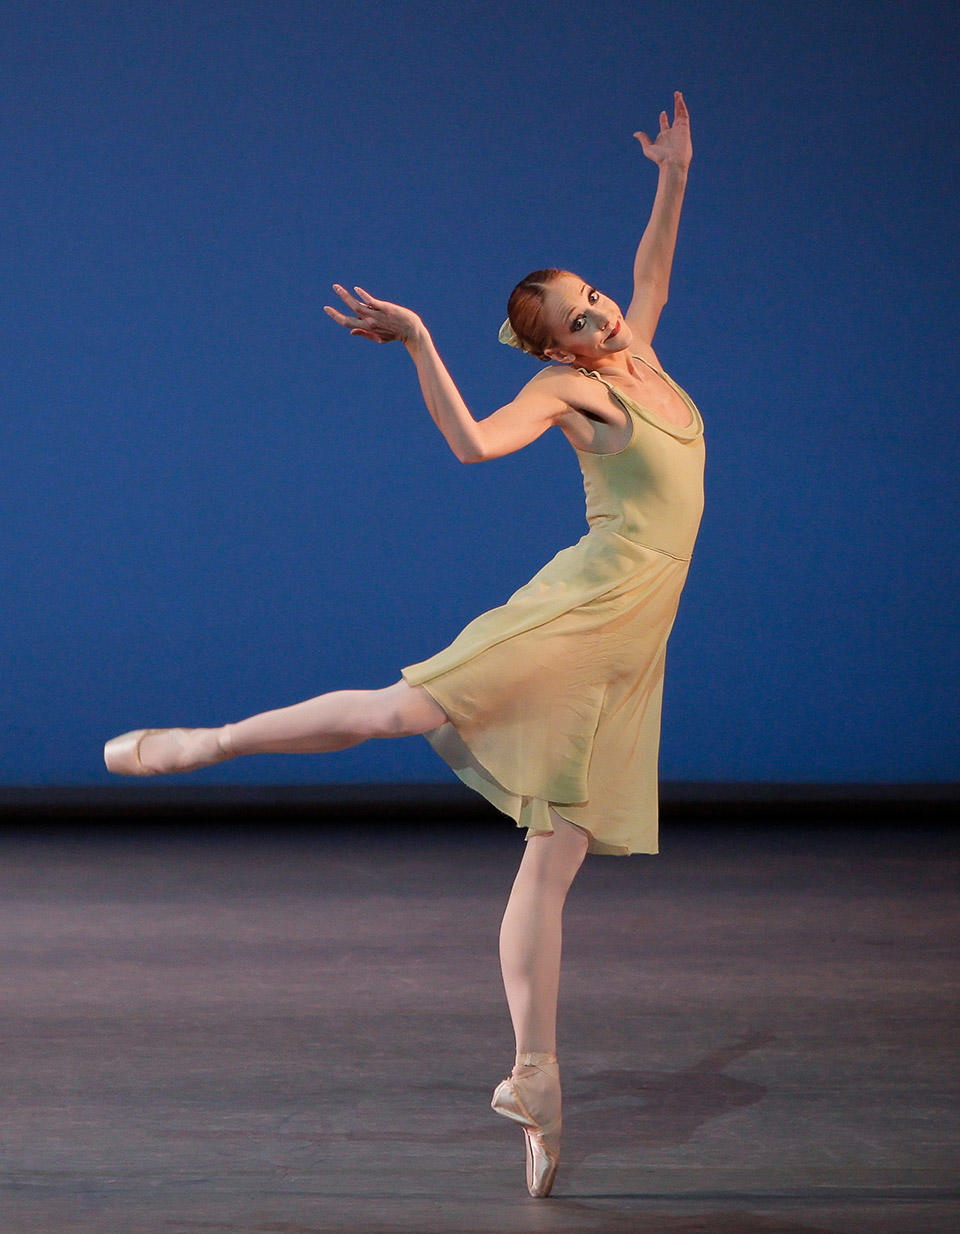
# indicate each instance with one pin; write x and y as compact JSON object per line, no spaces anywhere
{"x":513,"y":1098}
{"x":122,"y":754}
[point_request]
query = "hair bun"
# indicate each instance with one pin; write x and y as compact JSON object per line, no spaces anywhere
{"x":509,"y":336}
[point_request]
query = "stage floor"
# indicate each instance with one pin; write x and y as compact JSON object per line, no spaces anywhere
{"x":300,"y":1032}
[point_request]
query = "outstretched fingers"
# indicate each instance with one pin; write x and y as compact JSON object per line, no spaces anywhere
{"x":375,"y":319}
{"x":368,"y":300}
{"x":358,"y":306}
{"x":680,"y":113}
{"x":672,"y":145}
{"x":347,"y":297}
{"x":681,"y":117}
{"x":340,"y":318}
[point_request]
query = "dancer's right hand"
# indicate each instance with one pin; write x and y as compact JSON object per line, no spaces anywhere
{"x":375,"y":319}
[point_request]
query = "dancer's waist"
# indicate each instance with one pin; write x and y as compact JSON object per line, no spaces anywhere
{"x":678,"y":546}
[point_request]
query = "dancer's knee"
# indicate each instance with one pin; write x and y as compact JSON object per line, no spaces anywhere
{"x":575,"y":836}
{"x":570,"y":842}
{"x":557,"y":856}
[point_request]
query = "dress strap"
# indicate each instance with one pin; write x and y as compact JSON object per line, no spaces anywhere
{"x":593,"y":373}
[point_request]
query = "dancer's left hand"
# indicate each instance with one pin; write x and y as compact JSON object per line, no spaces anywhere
{"x":673,"y":144}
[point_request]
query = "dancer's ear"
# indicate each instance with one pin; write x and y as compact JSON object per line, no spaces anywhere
{"x":558,"y":354}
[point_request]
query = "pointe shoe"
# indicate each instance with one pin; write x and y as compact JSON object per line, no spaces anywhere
{"x":517,"y":1098}
{"x":122,"y":754}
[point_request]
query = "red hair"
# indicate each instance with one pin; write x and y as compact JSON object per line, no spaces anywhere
{"x":525,"y":310}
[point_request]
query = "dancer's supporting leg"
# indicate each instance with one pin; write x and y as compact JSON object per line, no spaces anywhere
{"x":530,"y":958}
{"x":530,"y":935}
{"x":328,"y":722}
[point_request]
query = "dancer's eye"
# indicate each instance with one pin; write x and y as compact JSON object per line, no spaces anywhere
{"x":580,"y":322}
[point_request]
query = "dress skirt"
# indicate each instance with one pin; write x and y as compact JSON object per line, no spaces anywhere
{"x":554,"y":699}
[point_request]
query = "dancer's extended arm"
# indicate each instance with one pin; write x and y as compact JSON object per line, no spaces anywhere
{"x":506,"y":430}
{"x":672,"y":152}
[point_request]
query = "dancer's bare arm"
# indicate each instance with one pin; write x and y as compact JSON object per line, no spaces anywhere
{"x":671,"y":151}
{"x":510,"y":428}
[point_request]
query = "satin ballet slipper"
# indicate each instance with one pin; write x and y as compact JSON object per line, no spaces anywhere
{"x":517,"y":1098}
{"x":122,"y":754}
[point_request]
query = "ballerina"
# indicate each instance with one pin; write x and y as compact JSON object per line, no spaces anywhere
{"x":549,"y":705}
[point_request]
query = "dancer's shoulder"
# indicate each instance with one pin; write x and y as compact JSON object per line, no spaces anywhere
{"x":556,"y":379}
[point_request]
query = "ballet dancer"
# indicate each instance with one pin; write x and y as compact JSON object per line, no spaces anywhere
{"x":549,"y":705}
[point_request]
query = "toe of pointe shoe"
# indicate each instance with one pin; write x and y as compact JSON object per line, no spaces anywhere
{"x":122,"y":754}
{"x":542,"y":1166}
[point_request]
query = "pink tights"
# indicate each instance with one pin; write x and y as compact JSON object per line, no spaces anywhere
{"x":531,"y":934}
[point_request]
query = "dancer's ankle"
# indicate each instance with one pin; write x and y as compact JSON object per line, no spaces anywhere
{"x":535,"y":1058}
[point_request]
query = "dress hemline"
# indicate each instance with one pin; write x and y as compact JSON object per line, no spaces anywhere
{"x":526,"y":811}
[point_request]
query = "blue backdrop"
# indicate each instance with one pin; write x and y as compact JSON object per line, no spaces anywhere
{"x":216,"y":501}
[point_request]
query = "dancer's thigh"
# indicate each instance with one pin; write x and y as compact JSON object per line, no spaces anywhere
{"x":410,"y":709}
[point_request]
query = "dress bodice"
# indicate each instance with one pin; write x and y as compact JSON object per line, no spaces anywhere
{"x":651,"y":491}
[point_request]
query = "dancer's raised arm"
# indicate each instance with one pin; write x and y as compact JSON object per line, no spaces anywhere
{"x":508,"y":429}
{"x":671,"y":151}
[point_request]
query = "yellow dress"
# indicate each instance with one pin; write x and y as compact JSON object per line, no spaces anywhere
{"x":554,"y":699}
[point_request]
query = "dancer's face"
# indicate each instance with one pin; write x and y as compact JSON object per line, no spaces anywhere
{"x":582,"y":321}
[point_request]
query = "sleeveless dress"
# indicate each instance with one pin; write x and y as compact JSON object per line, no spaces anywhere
{"x":554,"y":698}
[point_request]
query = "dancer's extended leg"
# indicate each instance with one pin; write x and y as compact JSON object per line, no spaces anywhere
{"x":328,"y":722}
{"x":530,"y":935}
{"x":336,"y":721}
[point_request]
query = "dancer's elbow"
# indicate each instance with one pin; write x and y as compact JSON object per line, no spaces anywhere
{"x":471,"y":452}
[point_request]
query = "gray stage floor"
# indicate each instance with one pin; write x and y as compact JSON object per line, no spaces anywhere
{"x":300,"y":1033}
